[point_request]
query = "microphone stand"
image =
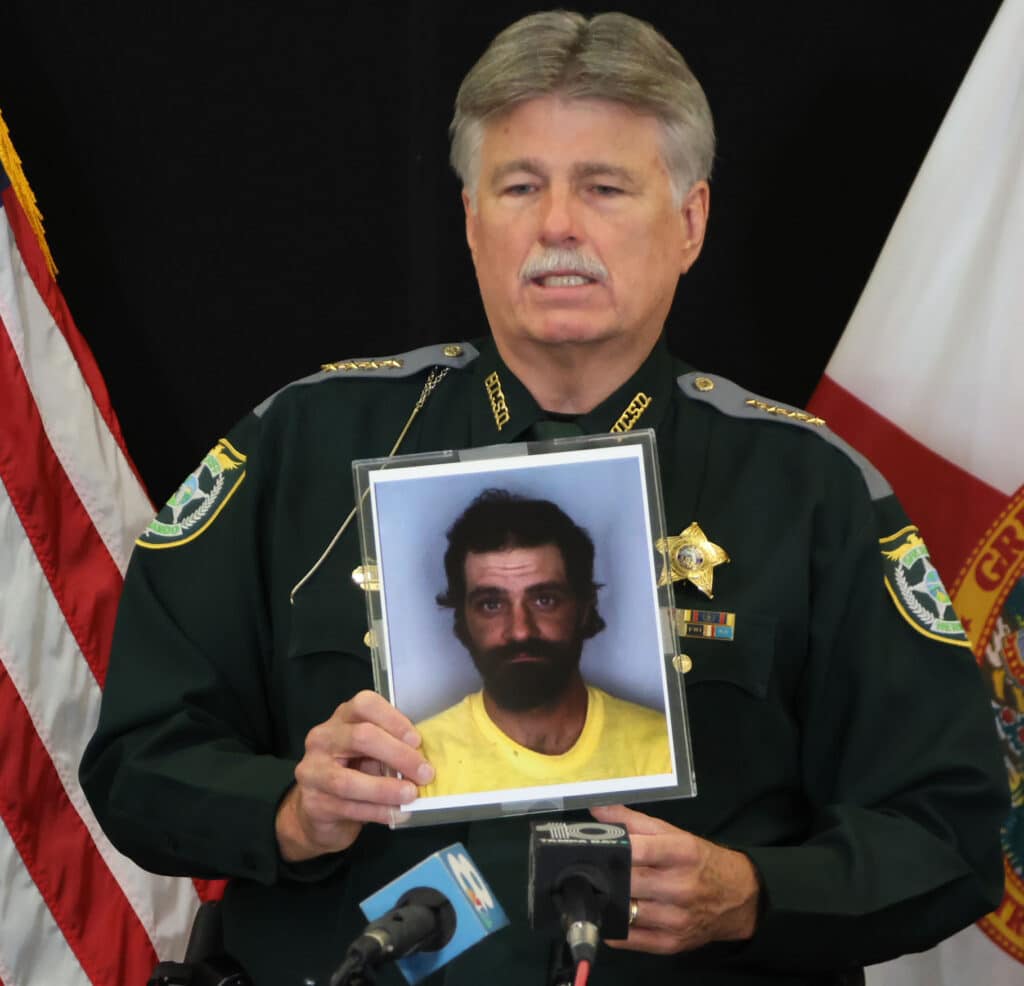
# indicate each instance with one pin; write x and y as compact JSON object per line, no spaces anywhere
{"x":354,"y":971}
{"x":581,"y":895}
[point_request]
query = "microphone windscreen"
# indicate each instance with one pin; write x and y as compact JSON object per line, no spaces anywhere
{"x":559,"y":849}
{"x":441,"y":910}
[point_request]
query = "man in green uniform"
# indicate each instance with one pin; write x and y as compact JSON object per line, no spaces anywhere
{"x":850,"y":788}
{"x":521,"y":585}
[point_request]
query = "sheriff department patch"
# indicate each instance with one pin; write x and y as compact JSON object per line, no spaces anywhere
{"x":916,"y":589}
{"x":193,"y":507}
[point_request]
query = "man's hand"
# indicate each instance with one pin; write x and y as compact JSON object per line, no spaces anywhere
{"x":340,"y":781}
{"x":689,"y":891}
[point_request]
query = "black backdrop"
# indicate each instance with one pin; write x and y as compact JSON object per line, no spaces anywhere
{"x":237,"y":192}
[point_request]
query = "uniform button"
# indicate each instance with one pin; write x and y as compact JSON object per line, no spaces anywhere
{"x":682,"y":663}
{"x":703,"y":384}
{"x":452,"y":350}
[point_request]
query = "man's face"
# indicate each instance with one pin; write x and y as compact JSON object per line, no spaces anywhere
{"x":522,"y":624}
{"x":579,"y":185}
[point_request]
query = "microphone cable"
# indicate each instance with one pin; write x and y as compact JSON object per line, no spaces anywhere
{"x":582,"y":972}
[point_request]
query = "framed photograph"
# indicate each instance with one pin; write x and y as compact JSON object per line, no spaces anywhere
{"x":517,"y":619}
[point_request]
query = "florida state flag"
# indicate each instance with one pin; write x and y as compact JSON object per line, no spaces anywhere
{"x":928,"y":382}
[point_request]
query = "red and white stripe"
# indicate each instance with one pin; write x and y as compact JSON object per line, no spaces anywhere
{"x":72,"y":909}
{"x":928,"y":378}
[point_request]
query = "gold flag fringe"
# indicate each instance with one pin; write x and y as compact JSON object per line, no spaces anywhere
{"x":12,"y":165}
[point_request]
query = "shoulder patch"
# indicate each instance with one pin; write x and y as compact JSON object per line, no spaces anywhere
{"x":195,"y":505}
{"x":452,"y":354}
{"x":733,"y":400}
{"x":916,"y":588}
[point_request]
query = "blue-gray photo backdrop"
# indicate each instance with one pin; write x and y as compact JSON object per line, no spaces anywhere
{"x":430,"y":669}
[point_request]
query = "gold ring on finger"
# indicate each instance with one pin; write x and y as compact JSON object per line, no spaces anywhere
{"x":634,"y":910}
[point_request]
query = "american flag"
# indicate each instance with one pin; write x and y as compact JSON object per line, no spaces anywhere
{"x":72,"y":909}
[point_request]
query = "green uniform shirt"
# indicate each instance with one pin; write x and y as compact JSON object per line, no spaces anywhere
{"x":836,"y":739}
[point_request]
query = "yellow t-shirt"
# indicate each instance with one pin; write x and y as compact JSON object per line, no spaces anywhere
{"x":470,"y":753}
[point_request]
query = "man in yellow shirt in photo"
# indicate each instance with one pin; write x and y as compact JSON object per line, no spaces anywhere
{"x":520,"y":583}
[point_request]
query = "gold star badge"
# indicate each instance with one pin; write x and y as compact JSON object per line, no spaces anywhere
{"x":690,"y":556}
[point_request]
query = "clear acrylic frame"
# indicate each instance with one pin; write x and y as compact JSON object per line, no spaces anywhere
{"x":607,"y":484}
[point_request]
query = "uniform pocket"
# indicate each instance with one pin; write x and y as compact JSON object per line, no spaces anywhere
{"x":326,"y":661}
{"x":328,"y":622}
{"x":745,"y":661}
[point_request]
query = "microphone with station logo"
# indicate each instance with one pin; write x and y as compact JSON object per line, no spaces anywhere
{"x":579,"y":876}
{"x":423,"y":919}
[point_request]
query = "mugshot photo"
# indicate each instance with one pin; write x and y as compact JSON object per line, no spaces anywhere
{"x":520,"y":618}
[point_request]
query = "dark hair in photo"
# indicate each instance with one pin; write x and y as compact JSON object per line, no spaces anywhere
{"x":498,"y":520}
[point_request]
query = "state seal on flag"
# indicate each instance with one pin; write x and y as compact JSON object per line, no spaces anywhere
{"x":197,"y":502}
{"x":916,"y":588}
{"x":989,"y":596}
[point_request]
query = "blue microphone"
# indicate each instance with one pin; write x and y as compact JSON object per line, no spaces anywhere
{"x":423,"y":919}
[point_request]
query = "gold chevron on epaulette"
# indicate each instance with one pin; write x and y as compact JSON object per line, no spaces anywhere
{"x":736,"y":402}
{"x":451,"y":355}
{"x":448,"y":351}
{"x":793,"y":413}
{"x":727,"y":396}
{"x":391,"y":363}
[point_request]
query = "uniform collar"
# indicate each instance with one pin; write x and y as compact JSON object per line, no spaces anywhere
{"x":503,"y":410}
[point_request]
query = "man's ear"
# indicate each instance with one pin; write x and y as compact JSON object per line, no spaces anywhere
{"x":693,"y":214}
{"x":467,"y":207}
{"x":590,"y":621}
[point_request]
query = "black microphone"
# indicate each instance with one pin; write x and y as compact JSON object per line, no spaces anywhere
{"x":579,"y":877}
{"x":423,"y":919}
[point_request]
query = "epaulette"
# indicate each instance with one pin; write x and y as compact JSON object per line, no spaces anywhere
{"x":733,"y":400}
{"x":454,"y":355}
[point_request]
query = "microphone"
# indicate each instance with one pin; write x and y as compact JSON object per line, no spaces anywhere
{"x":423,"y":919}
{"x":579,"y":876}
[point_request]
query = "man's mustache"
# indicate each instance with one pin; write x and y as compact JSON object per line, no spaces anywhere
{"x":533,"y":646}
{"x":562,"y":261}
